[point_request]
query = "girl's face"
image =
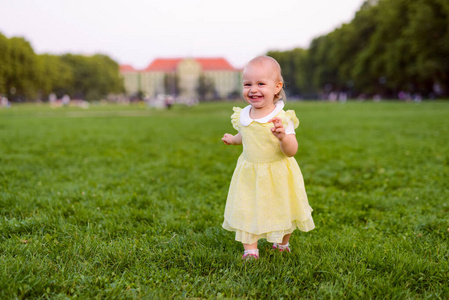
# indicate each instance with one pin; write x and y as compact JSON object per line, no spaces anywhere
{"x":260,"y":85}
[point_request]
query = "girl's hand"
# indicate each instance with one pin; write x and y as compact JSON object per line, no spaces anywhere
{"x":230,"y":139}
{"x":289,"y":144}
{"x":278,"y":130}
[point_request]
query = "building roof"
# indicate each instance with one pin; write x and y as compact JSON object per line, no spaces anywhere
{"x":127,"y":68}
{"x":211,"y":64}
{"x":164,"y":64}
{"x":207,"y":64}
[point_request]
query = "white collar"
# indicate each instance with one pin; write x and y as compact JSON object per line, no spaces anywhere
{"x":245,"y":119}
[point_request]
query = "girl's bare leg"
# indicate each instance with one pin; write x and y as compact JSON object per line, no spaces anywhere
{"x":250,"y":246}
{"x":251,"y":251}
{"x":285,"y":239}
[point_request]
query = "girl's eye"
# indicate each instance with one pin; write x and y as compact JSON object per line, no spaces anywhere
{"x":246,"y":84}
{"x":261,"y":83}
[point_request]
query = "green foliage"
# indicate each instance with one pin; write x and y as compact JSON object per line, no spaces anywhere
{"x":18,"y":69}
{"x":4,"y":68}
{"x":403,"y":50}
{"x":429,"y":32}
{"x":27,"y":76}
{"x":57,"y":76}
{"x":389,"y":46}
{"x":295,"y":67}
{"x":93,"y":76}
{"x":127,"y":202}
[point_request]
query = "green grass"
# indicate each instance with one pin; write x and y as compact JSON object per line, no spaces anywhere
{"x":127,"y":202}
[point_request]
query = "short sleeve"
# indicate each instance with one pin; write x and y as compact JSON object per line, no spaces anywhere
{"x":291,"y":122}
{"x":235,"y":118}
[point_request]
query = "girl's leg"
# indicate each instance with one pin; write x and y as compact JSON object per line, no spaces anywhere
{"x":284,"y":246}
{"x":286,"y":239}
{"x":251,"y":251}
{"x":250,"y":246}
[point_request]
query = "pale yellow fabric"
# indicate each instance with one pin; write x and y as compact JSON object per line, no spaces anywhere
{"x":266,"y":198}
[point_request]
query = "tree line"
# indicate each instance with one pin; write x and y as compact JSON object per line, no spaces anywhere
{"x":26,"y":76}
{"x":390,"y":48}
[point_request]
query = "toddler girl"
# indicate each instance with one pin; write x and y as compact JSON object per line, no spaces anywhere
{"x":266,"y":198}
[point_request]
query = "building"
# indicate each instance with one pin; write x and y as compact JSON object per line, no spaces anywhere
{"x":204,"y":78}
{"x":131,"y":79}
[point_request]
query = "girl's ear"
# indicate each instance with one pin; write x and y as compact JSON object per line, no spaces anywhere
{"x":279,"y":87}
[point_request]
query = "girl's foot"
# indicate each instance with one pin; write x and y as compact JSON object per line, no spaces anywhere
{"x":251,"y":254}
{"x":282,"y":248}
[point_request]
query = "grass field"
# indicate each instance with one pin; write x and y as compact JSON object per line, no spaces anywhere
{"x":127,"y":202}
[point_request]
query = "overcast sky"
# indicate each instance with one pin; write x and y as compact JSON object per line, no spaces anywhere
{"x":137,"y":31}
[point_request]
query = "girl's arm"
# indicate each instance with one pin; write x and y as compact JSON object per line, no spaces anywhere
{"x":230,"y":139}
{"x":289,"y":144}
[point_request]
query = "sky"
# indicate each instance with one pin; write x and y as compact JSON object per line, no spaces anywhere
{"x":136,"y":32}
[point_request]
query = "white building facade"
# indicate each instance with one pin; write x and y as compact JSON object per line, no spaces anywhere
{"x":184,"y":77}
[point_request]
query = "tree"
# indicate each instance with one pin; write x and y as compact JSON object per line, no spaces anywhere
{"x":93,"y":76}
{"x":389,"y":46}
{"x":5,"y":63}
{"x":27,"y":76}
{"x":107,"y":76}
{"x":56,"y":76}
{"x":295,"y":70}
{"x":19,"y":69}
{"x":428,"y":33}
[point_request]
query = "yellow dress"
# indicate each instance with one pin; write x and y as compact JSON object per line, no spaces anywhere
{"x":266,"y":198}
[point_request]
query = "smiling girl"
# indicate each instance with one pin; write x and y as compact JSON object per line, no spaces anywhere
{"x":267,"y":198}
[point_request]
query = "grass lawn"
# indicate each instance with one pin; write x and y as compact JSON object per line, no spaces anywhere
{"x":127,"y":202}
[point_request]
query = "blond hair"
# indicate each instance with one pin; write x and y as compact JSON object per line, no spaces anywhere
{"x":263,"y":59}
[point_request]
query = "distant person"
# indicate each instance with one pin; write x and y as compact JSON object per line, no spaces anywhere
{"x":65,"y":100}
{"x":52,"y":98}
{"x":267,"y":198}
{"x":169,"y":100}
{"x":4,"y":102}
